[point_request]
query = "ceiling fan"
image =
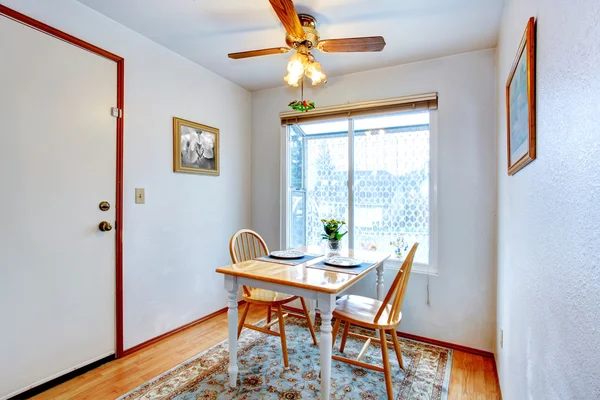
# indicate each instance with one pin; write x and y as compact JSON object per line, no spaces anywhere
{"x":302,"y":36}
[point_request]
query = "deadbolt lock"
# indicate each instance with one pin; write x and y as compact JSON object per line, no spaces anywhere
{"x":104,"y":206}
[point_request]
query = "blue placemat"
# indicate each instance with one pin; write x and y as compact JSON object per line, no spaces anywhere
{"x":346,"y":270}
{"x":295,"y":261}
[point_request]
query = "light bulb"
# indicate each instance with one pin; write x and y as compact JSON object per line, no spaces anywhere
{"x":293,"y":79}
{"x":315,"y":73}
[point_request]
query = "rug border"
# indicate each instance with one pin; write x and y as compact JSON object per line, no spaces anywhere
{"x":445,"y":382}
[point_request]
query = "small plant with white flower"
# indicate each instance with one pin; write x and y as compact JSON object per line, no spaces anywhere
{"x":400,"y":246}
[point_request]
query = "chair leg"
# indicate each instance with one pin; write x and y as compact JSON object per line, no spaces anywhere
{"x":386,"y":364}
{"x":336,"y":328}
{"x":344,"y":336}
{"x":241,"y":323}
{"x":398,"y":348}
{"x":269,"y":315}
{"x":282,"y":335}
{"x":310,"y":323}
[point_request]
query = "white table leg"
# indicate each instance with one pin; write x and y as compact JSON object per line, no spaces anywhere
{"x":380,"y":282}
{"x":312,"y":309}
{"x":232,"y":323}
{"x":326,"y":307}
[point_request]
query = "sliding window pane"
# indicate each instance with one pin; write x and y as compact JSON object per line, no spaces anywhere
{"x":296,"y":143}
{"x":326,"y":175}
{"x":391,"y":182}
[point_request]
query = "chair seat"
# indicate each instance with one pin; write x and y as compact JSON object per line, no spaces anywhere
{"x":269,"y":297}
{"x":361,"y":311}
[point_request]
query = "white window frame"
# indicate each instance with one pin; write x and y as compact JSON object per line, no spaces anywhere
{"x":392,"y":263}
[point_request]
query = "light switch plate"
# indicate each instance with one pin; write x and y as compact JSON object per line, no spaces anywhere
{"x":140,"y":196}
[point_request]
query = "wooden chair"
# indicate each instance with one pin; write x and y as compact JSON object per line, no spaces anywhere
{"x":378,"y":315}
{"x":247,"y":245}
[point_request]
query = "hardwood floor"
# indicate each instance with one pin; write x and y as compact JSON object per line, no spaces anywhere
{"x":472,"y":376}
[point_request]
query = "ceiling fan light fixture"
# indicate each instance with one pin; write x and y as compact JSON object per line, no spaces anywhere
{"x":303,"y":64}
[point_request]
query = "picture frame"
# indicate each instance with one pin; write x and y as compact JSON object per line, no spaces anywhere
{"x":195,"y":148}
{"x":521,"y":104}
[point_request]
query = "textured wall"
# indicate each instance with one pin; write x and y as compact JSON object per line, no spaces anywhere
{"x":549,"y":212}
{"x":462,"y":296}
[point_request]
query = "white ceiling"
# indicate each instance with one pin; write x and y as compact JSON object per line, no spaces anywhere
{"x":206,"y":31}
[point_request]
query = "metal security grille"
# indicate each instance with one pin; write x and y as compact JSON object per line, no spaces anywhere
{"x":389,"y":172}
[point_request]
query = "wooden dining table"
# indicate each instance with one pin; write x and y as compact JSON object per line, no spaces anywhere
{"x":313,"y":284}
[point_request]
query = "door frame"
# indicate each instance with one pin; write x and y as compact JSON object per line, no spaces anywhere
{"x":120,"y":62}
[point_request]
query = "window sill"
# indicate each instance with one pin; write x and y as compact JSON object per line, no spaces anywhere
{"x":417,"y":268}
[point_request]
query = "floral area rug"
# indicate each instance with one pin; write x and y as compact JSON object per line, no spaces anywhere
{"x":263,"y":376}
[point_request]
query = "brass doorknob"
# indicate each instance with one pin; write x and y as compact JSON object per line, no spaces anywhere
{"x":104,"y":226}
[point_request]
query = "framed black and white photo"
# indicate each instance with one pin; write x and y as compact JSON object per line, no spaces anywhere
{"x":195,"y":148}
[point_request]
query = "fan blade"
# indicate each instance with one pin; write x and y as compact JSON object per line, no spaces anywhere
{"x":289,"y":18}
{"x":257,"y":53}
{"x":371,"y":43}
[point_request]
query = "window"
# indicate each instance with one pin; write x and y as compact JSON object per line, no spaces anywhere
{"x":372,"y":171}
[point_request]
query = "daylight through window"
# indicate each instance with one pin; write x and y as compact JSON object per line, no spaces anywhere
{"x":372,"y":172}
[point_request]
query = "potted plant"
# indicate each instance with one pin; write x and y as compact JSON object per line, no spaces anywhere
{"x":400,"y":246}
{"x":332,"y":233}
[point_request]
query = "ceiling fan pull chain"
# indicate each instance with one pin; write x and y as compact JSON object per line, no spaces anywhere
{"x":302,"y":105}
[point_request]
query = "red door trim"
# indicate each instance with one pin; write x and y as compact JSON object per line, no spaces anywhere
{"x":120,"y":61}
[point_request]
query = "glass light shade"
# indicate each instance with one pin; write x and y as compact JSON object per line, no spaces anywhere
{"x":292,"y":79}
{"x":297,"y":64}
{"x":296,"y":67}
{"x":315,"y":73}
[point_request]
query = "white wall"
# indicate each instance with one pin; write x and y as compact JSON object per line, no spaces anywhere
{"x":549,"y":212}
{"x":463,"y":295}
{"x":174,"y":242}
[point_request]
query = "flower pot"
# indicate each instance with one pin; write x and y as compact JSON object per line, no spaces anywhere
{"x":334,"y":245}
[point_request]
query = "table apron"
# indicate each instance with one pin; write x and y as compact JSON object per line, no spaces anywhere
{"x":278,"y":287}
{"x":287,"y":289}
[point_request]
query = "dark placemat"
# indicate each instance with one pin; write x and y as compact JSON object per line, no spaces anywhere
{"x":294,"y":261}
{"x":346,"y":270}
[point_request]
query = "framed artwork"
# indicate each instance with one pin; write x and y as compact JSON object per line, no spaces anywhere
{"x":520,"y":104}
{"x":195,"y":148}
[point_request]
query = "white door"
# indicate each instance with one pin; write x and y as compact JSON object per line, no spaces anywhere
{"x":57,"y":163}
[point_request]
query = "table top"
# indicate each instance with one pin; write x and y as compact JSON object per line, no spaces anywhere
{"x":308,"y":278}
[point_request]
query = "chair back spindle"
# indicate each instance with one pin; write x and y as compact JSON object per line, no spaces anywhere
{"x":398,"y":288}
{"x":246,"y":245}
